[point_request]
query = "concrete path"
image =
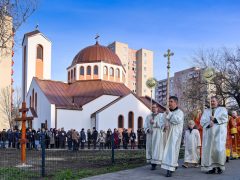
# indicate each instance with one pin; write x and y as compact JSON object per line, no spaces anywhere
{"x":144,"y":173}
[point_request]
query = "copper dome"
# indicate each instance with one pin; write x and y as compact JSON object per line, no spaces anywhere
{"x":96,"y":53}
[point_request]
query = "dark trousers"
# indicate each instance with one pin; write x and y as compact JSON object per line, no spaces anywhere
{"x":94,"y":144}
{"x":82,"y":145}
{"x":89,"y":144}
{"x":69,"y":145}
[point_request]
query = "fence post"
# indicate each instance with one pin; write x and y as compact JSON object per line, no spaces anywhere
{"x":43,"y":153}
{"x":113,"y":149}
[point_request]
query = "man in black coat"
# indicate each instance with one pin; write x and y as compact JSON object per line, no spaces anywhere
{"x":62,"y":138}
{"x":94,"y":137}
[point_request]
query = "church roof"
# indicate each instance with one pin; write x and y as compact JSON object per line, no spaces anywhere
{"x":79,"y":93}
{"x":96,"y":53}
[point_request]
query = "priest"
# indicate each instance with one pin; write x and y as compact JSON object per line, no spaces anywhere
{"x":154,"y":135}
{"x":174,"y":119}
{"x":214,"y":122}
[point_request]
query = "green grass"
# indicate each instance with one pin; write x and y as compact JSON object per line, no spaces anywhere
{"x":83,"y":173}
{"x":16,"y":174}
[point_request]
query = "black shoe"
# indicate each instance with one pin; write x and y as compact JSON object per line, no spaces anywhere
{"x":219,"y":171}
{"x":169,"y":173}
{"x":153,"y":167}
{"x":211,"y":171}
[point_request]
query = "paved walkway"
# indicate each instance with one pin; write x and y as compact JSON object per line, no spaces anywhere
{"x":144,"y":173}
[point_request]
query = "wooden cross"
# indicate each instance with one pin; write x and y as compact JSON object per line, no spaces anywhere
{"x":23,"y":140}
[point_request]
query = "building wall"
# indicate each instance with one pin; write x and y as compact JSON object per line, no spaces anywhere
{"x":107,"y":119}
{"x":73,"y":119}
{"x":44,"y":108}
{"x":161,"y":91}
{"x":138,"y":65}
{"x":31,"y":43}
{"x":6,"y":73}
{"x":144,"y":71}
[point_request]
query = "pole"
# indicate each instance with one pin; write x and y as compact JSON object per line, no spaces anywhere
{"x":43,"y":153}
{"x":151,"y":98}
{"x":113,"y":161}
{"x":23,"y":138}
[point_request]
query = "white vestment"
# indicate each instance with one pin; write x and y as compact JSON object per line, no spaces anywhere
{"x":214,"y":139}
{"x":154,"y":134}
{"x":192,"y":141}
{"x":172,"y":147}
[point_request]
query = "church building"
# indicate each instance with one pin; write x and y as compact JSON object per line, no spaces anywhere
{"x":95,"y":94}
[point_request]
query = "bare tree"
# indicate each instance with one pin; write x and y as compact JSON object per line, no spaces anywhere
{"x":6,"y":103}
{"x":16,"y":104}
{"x":226,"y":63}
{"x":13,"y":13}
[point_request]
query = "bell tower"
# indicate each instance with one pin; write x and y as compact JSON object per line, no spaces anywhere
{"x":36,"y":60}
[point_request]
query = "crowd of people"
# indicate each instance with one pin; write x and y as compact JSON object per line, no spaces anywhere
{"x":73,"y":139}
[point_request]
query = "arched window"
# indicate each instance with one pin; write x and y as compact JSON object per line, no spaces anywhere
{"x":39,"y":52}
{"x":30,"y":101}
{"x":74,"y":73}
{"x":105,"y":70}
{"x":111,"y":72}
{"x":36,"y":102}
{"x":95,"y":70}
{"x":117,"y":73}
{"x":69,"y":78}
{"x":89,"y":70}
{"x":140,"y":122}
{"x":82,"y":70}
{"x":130,"y":120}
{"x":33,"y":98}
{"x":71,"y":74}
{"x":39,"y":62}
{"x":120,"y":121}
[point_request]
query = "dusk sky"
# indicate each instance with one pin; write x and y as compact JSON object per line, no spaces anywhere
{"x":184,"y":26}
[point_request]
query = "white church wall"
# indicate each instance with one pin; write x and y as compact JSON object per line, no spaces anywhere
{"x":108,"y":118}
{"x":82,"y":119}
{"x":44,"y":108}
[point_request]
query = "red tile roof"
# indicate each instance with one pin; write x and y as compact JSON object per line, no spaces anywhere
{"x":79,"y":93}
{"x":96,"y":53}
{"x":147,"y":101}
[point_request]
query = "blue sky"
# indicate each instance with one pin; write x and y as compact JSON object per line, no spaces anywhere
{"x":184,"y":26}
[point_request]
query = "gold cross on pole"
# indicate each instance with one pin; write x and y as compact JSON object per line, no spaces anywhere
{"x":168,"y":55}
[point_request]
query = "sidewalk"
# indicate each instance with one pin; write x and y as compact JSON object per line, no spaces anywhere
{"x":144,"y":173}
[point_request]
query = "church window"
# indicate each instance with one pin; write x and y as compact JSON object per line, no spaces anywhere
{"x":130,"y":120}
{"x":74,"y":73}
{"x":30,"y":102}
{"x":120,"y":121}
{"x":105,"y":70}
{"x":111,"y":72}
{"x":32,"y":98}
{"x":89,"y":70}
{"x":117,"y":73}
{"x":140,"y":122}
{"x":95,"y":70}
{"x":39,"y":52}
{"x":81,"y":70}
{"x":69,"y":76}
{"x":36,"y":102}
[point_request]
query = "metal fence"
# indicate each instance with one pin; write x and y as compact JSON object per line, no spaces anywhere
{"x":52,"y":163}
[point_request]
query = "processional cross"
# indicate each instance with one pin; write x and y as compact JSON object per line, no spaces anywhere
{"x":168,"y":55}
